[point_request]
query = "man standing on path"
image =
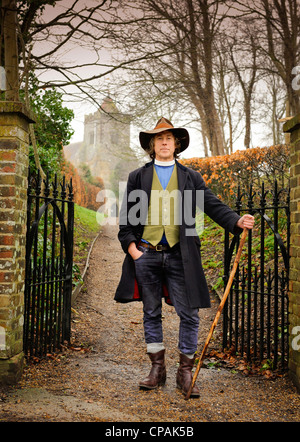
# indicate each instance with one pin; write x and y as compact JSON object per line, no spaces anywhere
{"x":157,"y":233}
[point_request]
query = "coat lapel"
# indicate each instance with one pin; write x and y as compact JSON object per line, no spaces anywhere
{"x":182,"y":175}
{"x":146,"y":185}
{"x":146,"y":178}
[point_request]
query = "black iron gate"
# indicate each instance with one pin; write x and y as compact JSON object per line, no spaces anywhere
{"x":255,"y":320}
{"x":49,"y":262}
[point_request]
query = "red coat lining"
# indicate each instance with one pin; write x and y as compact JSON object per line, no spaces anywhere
{"x":136,"y":294}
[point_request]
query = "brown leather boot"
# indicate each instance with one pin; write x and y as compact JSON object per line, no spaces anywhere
{"x":157,"y":375}
{"x":184,"y":376}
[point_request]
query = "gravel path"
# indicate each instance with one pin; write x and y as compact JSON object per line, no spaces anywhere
{"x":96,"y":378}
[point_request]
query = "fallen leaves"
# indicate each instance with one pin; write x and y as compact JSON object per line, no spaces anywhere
{"x":238,"y":364}
{"x":61,"y":353}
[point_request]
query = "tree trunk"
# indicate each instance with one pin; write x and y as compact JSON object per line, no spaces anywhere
{"x":247,"y":108}
{"x":10,"y":49}
{"x":286,"y":24}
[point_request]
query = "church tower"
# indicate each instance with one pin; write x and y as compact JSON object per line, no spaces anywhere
{"x":105,"y":149}
{"x":106,"y":140}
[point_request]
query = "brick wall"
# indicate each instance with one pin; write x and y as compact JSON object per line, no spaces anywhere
{"x":293,"y":128}
{"x":13,"y":187}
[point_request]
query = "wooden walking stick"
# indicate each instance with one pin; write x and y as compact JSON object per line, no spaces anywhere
{"x":219,"y":311}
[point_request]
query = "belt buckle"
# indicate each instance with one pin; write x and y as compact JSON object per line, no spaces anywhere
{"x":159,"y":247}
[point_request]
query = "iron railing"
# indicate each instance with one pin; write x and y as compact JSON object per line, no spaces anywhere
{"x":255,"y":320}
{"x":49,"y":262}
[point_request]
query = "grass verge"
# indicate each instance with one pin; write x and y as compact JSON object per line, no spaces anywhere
{"x":86,"y":228}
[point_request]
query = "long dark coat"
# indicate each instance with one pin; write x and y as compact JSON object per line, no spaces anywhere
{"x":196,"y":286}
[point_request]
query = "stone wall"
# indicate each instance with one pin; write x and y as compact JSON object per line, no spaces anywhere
{"x":13,"y":208}
{"x":293,"y":128}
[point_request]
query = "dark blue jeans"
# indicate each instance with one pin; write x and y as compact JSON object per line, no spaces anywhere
{"x":152,"y":270}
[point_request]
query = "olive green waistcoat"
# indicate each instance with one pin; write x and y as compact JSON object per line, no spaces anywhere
{"x":163,"y":211}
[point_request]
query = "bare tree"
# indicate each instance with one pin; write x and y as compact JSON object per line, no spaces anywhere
{"x":177,"y":39}
{"x":246,"y":73}
{"x":68,"y":44}
{"x":278,"y":32}
{"x":271,"y":104}
{"x":229,"y":102}
{"x":165,"y":54}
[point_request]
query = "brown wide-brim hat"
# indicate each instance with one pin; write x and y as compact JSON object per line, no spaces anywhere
{"x":162,"y":125}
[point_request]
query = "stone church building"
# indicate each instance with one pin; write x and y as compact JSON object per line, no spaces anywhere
{"x":105,"y":148}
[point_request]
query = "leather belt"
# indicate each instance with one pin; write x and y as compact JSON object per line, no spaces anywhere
{"x":158,"y":247}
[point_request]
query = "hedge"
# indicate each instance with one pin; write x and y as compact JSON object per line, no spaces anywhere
{"x":223,"y":174}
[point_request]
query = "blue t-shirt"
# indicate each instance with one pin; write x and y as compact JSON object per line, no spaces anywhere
{"x":164,"y":174}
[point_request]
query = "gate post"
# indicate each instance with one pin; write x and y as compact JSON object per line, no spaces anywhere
{"x":14,"y":141}
{"x":293,"y":128}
